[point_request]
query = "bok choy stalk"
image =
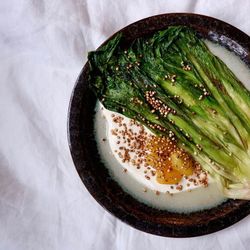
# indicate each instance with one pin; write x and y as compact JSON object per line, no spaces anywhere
{"x":174,"y":85}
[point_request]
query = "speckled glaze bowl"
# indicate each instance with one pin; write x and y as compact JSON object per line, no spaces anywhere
{"x":94,"y":174}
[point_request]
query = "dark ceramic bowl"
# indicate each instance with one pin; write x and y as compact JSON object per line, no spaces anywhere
{"x":96,"y":177}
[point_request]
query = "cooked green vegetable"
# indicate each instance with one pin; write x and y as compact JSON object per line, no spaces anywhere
{"x":174,"y":85}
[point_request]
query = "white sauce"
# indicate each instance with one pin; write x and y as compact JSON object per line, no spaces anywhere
{"x":192,"y":198}
{"x":233,"y":62}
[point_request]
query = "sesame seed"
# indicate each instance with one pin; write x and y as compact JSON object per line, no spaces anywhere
{"x":157,"y":192}
{"x":140,"y":149}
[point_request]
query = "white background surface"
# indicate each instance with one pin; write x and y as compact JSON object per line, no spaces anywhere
{"x":43,"y":46}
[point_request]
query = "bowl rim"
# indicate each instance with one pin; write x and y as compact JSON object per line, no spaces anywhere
{"x":241,"y":208}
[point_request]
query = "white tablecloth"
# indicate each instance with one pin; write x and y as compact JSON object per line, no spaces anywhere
{"x":43,"y":46}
